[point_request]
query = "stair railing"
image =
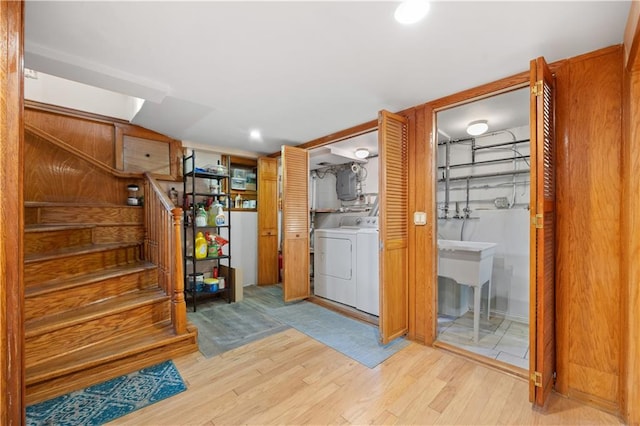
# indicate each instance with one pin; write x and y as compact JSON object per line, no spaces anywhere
{"x":163,"y":247}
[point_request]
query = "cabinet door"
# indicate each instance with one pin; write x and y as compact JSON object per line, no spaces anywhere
{"x":145,"y":155}
{"x":295,"y":223}
{"x":267,"y":221}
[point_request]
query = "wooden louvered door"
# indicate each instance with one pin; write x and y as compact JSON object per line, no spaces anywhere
{"x":267,"y":221}
{"x":542,"y":239}
{"x":295,"y":223}
{"x":393,"y":193}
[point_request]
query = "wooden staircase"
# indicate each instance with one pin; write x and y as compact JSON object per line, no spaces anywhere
{"x":93,"y":307}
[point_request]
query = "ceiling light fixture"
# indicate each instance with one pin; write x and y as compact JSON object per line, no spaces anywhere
{"x":255,"y":135}
{"x":362,"y":153}
{"x":478,"y":127}
{"x":411,"y":11}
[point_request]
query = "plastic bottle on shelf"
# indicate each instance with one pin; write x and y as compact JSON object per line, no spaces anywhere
{"x":201,"y":217}
{"x":173,"y":196}
{"x":220,"y":219}
{"x":211,"y":216}
{"x":238,"y":203}
{"x":201,"y":246}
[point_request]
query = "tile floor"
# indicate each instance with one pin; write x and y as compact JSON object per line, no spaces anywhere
{"x":500,"y":339}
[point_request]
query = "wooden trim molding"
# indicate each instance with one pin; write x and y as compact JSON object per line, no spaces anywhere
{"x":11,"y":214}
{"x":632,"y":38}
{"x":40,"y":106}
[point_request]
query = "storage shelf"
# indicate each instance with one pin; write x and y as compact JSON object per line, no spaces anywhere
{"x":205,"y":175}
{"x":207,"y":194}
{"x":191,"y":229}
{"x":224,"y":256}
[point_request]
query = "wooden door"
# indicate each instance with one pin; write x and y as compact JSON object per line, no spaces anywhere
{"x":295,"y":223}
{"x":394,"y":232}
{"x":267,"y":221}
{"x":542,"y":282}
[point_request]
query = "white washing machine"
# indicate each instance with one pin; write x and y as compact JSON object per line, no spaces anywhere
{"x":346,"y":263}
{"x":334,"y":269}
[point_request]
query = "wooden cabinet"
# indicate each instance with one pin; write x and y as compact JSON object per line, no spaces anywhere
{"x":243,"y":183}
{"x":146,"y":155}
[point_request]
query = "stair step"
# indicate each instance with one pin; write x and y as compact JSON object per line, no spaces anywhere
{"x":46,"y":238}
{"x":67,"y":213}
{"x":68,"y":262}
{"x":55,"y":335}
{"x":59,"y":295}
{"x":108,"y":359}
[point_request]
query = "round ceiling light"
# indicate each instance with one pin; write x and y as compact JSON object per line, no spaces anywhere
{"x":478,"y":127}
{"x":411,"y":11}
{"x":362,"y":153}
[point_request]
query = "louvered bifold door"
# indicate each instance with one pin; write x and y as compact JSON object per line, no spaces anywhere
{"x":295,"y":223}
{"x":267,"y":221}
{"x":542,"y":240}
{"x":393,"y":193}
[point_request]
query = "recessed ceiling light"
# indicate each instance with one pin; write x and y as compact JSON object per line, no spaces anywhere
{"x":411,"y":11}
{"x":255,"y":135}
{"x":362,"y":153}
{"x":478,"y":127}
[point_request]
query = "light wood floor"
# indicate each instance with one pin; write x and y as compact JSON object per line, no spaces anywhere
{"x":289,"y":378}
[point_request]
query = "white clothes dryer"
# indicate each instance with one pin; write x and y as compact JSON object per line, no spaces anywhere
{"x":334,"y":270}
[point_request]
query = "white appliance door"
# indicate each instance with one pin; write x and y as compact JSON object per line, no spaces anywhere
{"x":334,"y":261}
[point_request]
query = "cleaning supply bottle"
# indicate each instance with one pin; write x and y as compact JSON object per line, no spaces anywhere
{"x":220,"y":219}
{"x":201,"y":246}
{"x":211,"y":216}
{"x":201,"y":217}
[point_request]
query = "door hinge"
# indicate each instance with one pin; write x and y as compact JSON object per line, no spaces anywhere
{"x":536,"y":89}
{"x":538,"y":221}
{"x":536,"y":378}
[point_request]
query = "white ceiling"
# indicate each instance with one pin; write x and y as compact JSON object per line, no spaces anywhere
{"x":211,"y":71}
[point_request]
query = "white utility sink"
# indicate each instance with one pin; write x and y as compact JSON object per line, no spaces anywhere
{"x":468,"y":263}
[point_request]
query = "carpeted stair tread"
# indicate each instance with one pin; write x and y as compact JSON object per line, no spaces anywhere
{"x":74,"y":251}
{"x":121,"y":346}
{"x":78,"y":281}
{"x":93,"y":311}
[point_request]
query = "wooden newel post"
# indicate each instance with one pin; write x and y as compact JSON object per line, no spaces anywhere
{"x":178,"y":304}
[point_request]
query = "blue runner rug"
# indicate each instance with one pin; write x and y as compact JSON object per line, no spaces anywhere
{"x":109,"y":400}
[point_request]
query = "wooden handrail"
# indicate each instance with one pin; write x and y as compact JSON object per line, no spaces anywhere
{"x":163,"y":247}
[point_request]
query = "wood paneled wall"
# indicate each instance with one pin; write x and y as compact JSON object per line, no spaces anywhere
{"x":630,"y":223}
{"x":11,"y":214}
{"x":52,"y":175}
{"x":422,"y":244}
{"x":94,"y":138}
{"x":589,"y":188}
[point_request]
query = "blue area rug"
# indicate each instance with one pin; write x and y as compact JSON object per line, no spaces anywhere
{"x":355,"y":339}
{"x":262,"y":312}
{"x":109,"y":400}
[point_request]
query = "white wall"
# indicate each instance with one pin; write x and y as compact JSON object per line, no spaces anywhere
{"x":508,"y":227}
{"x":53,"y":90}
{"x":244,"y":245}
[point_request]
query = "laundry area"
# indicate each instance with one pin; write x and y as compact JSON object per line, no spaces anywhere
{"x":344,"y":237}
{"x":483,"y":227}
